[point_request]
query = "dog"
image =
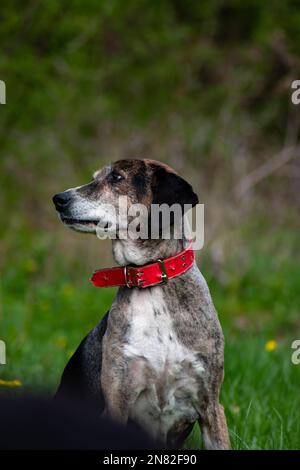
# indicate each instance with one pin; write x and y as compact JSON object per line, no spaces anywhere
{"x":157,"y":357}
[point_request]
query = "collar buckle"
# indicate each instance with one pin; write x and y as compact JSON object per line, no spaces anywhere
{"x":164,"y":274}
{"x":127,"y":280}
{"x":132,"y":280}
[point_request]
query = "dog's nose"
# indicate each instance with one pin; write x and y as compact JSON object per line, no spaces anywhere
{"x":61,"y":200}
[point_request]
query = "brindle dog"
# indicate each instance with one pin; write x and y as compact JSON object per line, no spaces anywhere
{"x":156,"y":358}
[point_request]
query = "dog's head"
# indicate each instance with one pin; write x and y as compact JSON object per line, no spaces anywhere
{"x":96,"y":204}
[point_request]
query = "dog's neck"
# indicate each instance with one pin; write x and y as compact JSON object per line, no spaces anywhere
{"x":141,"y":251}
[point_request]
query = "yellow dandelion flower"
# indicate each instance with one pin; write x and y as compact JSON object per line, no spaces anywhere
{"x":10,"y":383}
{"x":61,"y":342}
{"x":271,"y":345}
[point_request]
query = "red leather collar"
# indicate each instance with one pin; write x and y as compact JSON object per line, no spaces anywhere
{"x":148,"y":275}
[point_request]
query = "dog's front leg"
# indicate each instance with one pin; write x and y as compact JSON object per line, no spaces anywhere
{"x":121,"y":385}
{"x":214,"y":428}
{"x":116,"y":396}
{"x":116,"y":407}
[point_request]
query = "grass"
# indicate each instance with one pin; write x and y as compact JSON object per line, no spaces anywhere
{"x":48,"y":305}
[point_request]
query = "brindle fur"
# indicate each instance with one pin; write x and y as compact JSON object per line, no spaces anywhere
{"x":100,"y":370}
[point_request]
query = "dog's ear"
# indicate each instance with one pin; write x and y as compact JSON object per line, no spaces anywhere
{"x":169,"y":188}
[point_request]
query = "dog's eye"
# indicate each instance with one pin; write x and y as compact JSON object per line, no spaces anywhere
{"x":116,"y":176}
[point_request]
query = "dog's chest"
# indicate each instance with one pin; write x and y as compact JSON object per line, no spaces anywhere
{"x":164,"y":372}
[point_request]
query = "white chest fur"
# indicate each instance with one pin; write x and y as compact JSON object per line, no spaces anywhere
{"x":164,"y":371}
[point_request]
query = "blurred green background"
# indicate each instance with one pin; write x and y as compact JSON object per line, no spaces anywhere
{"x":204,"y":86}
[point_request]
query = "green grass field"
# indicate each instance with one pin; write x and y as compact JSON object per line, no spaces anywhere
{"x":48,"y":305}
